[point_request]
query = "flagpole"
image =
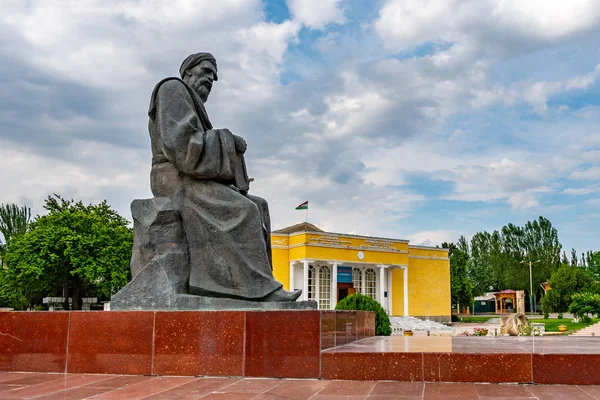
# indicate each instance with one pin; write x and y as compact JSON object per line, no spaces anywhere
{"x":304,"y":206}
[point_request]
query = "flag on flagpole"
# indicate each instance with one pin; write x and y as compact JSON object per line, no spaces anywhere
{"x":303,"y":206}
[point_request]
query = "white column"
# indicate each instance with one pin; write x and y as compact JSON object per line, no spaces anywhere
{"x":405,"y":268}
{"x":389,"y":286}
{"x":382,"y":269}
{"x":292,"y":274}
{"x":334,"y":291}
{"x":317,"y":280}
{"x":363,"y":284}
{"x":305,"y":280}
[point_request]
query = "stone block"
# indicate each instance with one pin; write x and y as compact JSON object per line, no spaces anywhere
{"x":160,"y":261}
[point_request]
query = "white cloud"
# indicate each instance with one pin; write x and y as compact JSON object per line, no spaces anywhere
{"x":354,"y":131}
{"x":583,"y":190}
{"x":316,"y":14}
{"x":29,"y":178}
{"x":593,"y":203}
{"x":536,"y":94}
{"x":108,"y":43}
{"x":483,"y":178}
{"x":432,"y":238}
{"x":592,"y":140}
{"x":406,"y":23}
{"x":545,"y":19}
{"x":515,"y":182}
{"x":523,"y":201}
{"x":359,"y":208}
{"x":587,"y":174}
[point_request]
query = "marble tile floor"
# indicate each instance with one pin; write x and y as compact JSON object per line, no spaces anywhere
{"x":14,"y":385}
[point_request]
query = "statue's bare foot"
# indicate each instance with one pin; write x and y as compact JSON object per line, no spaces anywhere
{"x":282,"y":295}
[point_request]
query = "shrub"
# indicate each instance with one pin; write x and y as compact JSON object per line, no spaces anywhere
{"x":546,"y":315}
{"x":365,"y":303}
{"x":560,"y":315}
{"x":454,"y":318}
{"x":565,"y":282}
{"x":585,"y":319}
{"x":584,"y":304}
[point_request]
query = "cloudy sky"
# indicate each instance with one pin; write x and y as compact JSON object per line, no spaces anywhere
{"x":413,"y":119}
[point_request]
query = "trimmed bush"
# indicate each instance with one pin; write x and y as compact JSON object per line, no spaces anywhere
{"x":365,"y":303}
{"x":584,"y":304}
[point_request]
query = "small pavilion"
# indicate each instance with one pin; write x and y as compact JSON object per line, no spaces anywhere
{"x":503,"y":298}
{"x":545,"y":286}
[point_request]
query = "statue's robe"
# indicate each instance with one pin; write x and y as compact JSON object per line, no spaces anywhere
{"x":198,"y":168}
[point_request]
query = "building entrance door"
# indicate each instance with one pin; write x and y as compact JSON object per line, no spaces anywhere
{"x":345,"y":290}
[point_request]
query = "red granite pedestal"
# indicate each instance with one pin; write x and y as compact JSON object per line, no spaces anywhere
{"x":540,"y":360}
{"x":281,"y":344}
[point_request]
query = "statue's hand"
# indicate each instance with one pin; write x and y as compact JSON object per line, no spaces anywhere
{"x":240,"y":144}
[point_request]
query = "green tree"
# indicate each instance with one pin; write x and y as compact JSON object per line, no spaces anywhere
{"x":593,"y":264}
{"x":564,"y":283}
{"x":583,"y":304}
{"x":574,"y":262}
{"x":541,"y":243}
{"x":357,"y":301}
{"x":13,"y":222}
{"x":479,"y":277}
{"x":500,"y":260}
{"x":461,"y":288}
{"x":450,"y":246}
{"x":73,"y":250}
{"x":463,"y":244}
{"x":480,"y":270}
{"x":564,"y":259}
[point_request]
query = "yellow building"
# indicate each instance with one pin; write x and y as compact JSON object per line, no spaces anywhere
{"x":406,"y":280}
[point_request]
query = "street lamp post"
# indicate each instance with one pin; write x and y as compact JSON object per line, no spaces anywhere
{"x":530,"y":285}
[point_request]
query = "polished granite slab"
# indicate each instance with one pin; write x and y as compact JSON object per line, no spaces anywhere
{"x":278,"y":344}
{"x":194,"y":343}
{"x":33,"y":341}
{"x":488,"y":344}
{"x":82,"y":386}
{"x":302,"y":347}
{"x":110,"y":343}
{"x":549,"y":360}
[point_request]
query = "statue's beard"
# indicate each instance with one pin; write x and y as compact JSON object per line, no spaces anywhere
{"x":201,"y":85}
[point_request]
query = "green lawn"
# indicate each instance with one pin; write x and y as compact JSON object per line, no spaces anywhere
{"x":475,"y":319}
{"x":553,"y":323}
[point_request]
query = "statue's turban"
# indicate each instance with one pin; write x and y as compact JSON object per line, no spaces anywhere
{"x":196,"y":59}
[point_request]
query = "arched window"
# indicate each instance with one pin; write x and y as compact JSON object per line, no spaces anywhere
{"x":370,"y":283}
{"x":357,"y":280}
{"x":311,"y":282}
{"x":324,"y":288}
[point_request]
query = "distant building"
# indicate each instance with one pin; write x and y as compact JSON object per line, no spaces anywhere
{"x":485,"y":304}
{"x":406,"y":280}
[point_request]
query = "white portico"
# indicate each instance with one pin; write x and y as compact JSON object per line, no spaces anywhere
{"x":327,"y":282}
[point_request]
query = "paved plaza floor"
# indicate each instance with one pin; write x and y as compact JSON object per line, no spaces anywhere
{"x":83,"y":386}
